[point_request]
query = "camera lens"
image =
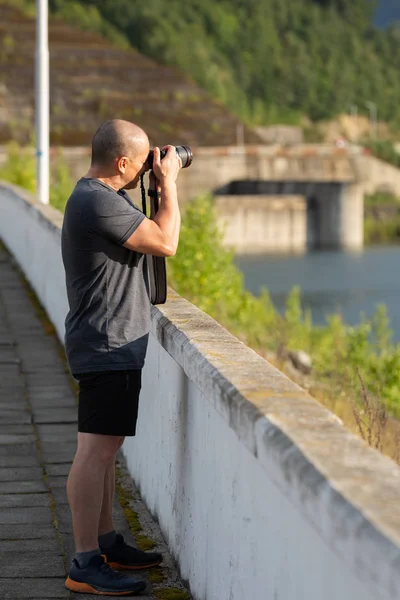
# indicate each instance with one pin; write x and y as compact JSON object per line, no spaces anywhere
{"x":184,"y":152}
{"x":186,"y":155}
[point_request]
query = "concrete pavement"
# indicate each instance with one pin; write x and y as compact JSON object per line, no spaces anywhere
{"x":38,"y":426}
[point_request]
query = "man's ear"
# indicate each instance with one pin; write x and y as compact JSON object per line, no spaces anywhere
{"x":122,"y":164}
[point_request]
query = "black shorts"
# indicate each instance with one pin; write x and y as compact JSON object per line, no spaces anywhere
{"x":109,"y":402}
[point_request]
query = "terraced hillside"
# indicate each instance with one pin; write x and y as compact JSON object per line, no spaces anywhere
{"x":91,"y":82}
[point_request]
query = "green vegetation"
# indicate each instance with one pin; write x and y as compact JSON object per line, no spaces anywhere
{"x":171,"y":594}
{"x":271,"y":61}
{"x":386,"y":231}
{"x":156,"y":575}
{"x":381,"y":199}
{"x":20,"y":169}
{"x":125,"y":498}
{"x":385,"y":150}
{"x":381,"y":219}
{"x":204,"y":273}
{"x":61,"y":183}
{"x":85,"y":16}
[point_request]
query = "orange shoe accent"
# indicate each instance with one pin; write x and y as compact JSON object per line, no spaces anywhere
{"x":84,"y":588}
{"x":120,"y":567}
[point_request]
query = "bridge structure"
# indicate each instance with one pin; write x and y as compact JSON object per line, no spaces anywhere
{"x":332,"y":181}
{"x":259,"y":491}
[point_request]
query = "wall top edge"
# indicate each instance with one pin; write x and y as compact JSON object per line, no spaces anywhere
{"x":277,"y":419}
{"x":50,"y":215}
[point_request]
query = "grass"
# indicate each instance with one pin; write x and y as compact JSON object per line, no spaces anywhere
{"x":381,"y":219}
{"x":385,"y":231}
{"x":171,"y":594}
{"x":363,"y":413}
{"x":156,"y":576}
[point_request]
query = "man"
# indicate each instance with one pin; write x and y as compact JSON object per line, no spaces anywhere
{"x":105,"y":238}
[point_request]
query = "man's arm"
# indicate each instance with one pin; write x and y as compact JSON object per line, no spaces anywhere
{"x":160,"y":236}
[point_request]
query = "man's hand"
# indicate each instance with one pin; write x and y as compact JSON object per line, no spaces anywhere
{"x":159,"y":235}
{"x":166,"y":171}
{"x":154,"y":184}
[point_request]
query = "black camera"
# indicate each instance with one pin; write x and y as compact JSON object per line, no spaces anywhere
{"x":184,"y":152}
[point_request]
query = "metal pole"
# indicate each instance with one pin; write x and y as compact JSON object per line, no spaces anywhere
{"x":42,"y":101}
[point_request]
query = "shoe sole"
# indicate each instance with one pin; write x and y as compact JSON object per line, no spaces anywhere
{"x":121,"y":567}
{"x":85,"y":588}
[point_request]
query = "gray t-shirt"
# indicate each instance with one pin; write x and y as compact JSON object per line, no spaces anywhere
{"x":108,"y":323}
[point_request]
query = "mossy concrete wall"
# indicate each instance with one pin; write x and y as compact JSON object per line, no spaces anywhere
{"x":260,"y":492}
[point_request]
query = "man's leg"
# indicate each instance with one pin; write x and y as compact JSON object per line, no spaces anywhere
{"x":119,"y":554}
{"x":88,"y":573}
{"x":85,"y":487}
{"x":106,"y":524}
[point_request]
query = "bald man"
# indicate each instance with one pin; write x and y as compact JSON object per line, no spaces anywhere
{"x":105,"y":239}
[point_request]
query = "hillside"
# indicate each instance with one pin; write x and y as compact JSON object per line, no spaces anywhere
{"x":92,"y":81}
{"x":269,"y":61}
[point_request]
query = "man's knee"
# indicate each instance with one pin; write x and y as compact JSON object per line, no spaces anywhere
{"x":102,"y":448}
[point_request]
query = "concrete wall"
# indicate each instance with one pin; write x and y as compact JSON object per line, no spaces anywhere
{"x":32,"y":234}
{"x":258,"y":489}
{"x":285,"y":135}
{"x":253,"y":224}
{"x":214,"y":168}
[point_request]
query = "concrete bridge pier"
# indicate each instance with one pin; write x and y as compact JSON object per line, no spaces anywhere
{"x":351,"y":215}
{"x":335,"y":217}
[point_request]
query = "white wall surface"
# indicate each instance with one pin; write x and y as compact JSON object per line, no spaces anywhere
{"x":32,"y":234}
{"x":260,"y":492}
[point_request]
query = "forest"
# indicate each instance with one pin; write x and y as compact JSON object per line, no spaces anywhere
{"x":269,"y":61}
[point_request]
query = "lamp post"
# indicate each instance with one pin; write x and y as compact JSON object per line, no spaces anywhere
{"x":373,"y":118}
{"x":42,"y":101}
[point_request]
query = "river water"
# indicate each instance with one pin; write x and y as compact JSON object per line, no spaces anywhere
{"x":345,"y":282}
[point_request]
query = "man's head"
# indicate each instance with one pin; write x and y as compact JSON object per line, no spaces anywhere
{"x":119,"y":152}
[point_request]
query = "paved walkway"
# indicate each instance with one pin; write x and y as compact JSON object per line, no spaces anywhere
{"x":37,"y":443}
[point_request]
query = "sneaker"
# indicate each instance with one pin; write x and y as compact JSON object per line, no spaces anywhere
{"x":99,"y":578}
{"x":122,"y":556}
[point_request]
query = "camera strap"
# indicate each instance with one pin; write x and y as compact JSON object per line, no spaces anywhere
{"x":156,"y":264}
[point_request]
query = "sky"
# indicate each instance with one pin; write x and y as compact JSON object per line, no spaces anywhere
{"x":388,"y":11}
